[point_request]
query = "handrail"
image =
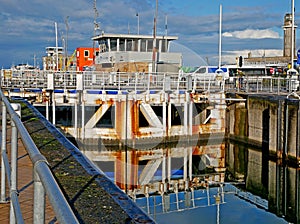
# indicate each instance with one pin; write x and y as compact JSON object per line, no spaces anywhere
{"x":32,"y":80}
{"x":44,"y":181}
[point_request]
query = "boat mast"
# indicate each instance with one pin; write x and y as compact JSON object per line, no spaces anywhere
{"x":220,"y":37}
{"x":138,"y":23}
{"x":66,"y":44}
{"x":96,"y":27}
{"x":166,"y":33}
{"x":56,"y":45}
{"x":154,"y":41}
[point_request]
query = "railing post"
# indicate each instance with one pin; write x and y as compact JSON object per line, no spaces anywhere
{"x":257,"y":84}
{"x":271,"y":85}
{"x":14,"y":157}
{"x":14,"y":152}
{"x":3,"y":152}
{"x":39,"y":200}
{"x":82,"y":116}
{"x":53,"y":108}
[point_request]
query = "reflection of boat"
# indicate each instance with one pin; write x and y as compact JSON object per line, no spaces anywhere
{"x":175,"y":174}
{"x":160,"y":169}
{"x":201,"y":204}
{"x":134,"y":53}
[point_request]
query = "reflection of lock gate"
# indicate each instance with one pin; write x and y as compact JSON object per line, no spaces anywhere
{"x":44,"y":96}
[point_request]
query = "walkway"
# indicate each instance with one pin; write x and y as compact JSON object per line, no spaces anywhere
{"x":25,"y":186}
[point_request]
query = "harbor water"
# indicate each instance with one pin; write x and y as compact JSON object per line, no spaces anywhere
{"x":250,"y":189}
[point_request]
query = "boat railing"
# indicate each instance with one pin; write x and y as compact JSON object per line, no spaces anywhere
{"x":143,"y":81}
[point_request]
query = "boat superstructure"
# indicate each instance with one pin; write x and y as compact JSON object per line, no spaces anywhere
{"x":134,"y":53}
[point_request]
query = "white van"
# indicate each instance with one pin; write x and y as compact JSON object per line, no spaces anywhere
{"x":207,"y":73}
{"x":212,"y":73}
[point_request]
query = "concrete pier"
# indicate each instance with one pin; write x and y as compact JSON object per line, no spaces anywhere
{"x":270,"y":122}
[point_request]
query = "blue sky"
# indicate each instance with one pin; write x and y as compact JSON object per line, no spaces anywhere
{"x":27,"y":27}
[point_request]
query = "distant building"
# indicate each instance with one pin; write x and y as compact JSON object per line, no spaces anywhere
{"x":84,"y":58}
{"x":54,"y":59}
{"x":287,"y":28}
{"x":285,"y":58}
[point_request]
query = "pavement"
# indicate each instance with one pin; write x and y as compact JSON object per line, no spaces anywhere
{"x":25,"y":188}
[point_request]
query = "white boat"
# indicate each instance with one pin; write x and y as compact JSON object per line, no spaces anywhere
{"x":135,"y":53}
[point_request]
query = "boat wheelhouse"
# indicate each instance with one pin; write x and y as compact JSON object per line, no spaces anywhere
{"x":135,"y":53}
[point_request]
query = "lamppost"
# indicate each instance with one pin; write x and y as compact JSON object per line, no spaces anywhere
{"x":66,"y":42}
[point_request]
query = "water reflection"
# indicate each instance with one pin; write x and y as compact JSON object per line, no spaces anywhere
{"x":214,"y":183}
{"x":267,"y":177}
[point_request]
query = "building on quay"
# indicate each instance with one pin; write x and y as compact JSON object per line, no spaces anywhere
{"x":283,"y":60}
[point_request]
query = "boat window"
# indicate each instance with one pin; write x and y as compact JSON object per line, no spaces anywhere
{"x":122,"y":45}
{"x":86,"y":53}
{"x":135,"y":45}
{"x":143,"y":45}
{"x":164,"y":46}
{"x":113,"y":45}
{"x":103,"y":45}
{"x":129,"y":45}
{"x":149,"y":45}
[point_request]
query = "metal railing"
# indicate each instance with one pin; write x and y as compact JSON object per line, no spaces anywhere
{"x":37,"y":80}
{"x":44,"y":181}
{"x":265,"y":84}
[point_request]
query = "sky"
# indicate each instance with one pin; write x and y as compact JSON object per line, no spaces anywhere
{"x":27,"y":26}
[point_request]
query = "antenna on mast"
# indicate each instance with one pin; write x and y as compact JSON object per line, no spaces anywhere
{"x":96,"y":27}
{"x":56,"y":46}
{"x":166,"y":25}
{"x":66,"y":43}
{"x":220,"y":37}
{"x":166,"y":32}
{"x":96,"y":15}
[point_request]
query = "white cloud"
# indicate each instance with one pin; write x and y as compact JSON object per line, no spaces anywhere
{"x":252,"y":34}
